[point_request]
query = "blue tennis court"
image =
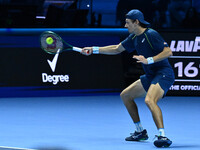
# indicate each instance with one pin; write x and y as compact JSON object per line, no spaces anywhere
{"x":93,"y":123}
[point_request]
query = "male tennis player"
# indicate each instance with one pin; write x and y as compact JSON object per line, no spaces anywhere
{"x":152,"y":52}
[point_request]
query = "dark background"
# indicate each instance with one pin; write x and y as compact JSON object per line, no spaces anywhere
{"x":162,"y":14}
{"x":88,"y":23}
{"x":23,"y":62}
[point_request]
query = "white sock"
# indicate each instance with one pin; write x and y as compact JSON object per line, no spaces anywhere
{"x":138,"y":126}
{"x":161,"y":132}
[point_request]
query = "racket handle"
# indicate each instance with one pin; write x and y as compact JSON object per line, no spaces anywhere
{"x":77,"y":49}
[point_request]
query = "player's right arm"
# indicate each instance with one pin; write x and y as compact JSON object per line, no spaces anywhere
{"x":107,"y":50}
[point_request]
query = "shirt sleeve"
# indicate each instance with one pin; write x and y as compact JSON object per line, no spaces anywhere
{"x":128,"y":43}
{"x":158,"y":43}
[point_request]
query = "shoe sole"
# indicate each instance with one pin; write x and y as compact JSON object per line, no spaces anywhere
{"x":162,"y":144}
{"x":143,"y":139}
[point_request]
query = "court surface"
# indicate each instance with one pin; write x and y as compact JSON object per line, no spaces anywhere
{"x":93,"y":123}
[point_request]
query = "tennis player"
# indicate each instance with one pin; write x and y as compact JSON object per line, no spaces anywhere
{"x":153,"y":53}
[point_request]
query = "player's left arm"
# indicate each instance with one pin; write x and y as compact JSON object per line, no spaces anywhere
{"x":159,"y":46}
{"x":161,"y":56}
{"x":166,"y":53}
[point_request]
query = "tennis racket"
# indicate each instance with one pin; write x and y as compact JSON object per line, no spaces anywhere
{"x":52,"y":43}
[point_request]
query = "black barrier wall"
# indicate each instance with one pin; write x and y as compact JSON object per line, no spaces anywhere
{"x":26,"y":70}
{"x":185,"y":61}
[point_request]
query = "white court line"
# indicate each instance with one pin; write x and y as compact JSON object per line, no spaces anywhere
{"x":15,"y":148}
{"x":181,"y":80}
{"x":197,"y":57}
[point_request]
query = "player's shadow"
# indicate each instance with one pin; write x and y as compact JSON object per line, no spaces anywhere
{"x":51,"y":148}
{"x":185,"y":146}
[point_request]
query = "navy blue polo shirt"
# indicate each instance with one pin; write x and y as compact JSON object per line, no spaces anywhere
{"x":149,"y":44}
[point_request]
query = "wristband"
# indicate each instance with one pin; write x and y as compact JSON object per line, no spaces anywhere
{"x":95,"y":50}
{"x":150,"y":60}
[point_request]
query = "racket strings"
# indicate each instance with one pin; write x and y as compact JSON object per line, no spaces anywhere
{"x":53,"y":47}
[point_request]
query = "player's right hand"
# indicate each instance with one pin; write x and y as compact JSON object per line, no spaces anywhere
{"x":87,"y":51}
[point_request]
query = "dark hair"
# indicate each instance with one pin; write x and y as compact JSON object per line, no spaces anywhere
{"x":140,"y":24}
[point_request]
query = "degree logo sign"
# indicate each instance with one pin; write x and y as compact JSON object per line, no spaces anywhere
{"x":53,"y":63}
{"x":54,"y":79}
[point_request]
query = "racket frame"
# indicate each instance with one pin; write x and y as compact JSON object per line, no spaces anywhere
{"x":77,"y":49}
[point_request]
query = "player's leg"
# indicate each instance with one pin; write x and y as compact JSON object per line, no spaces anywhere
{"x":128,"y":95}
{"x":154,"y":94}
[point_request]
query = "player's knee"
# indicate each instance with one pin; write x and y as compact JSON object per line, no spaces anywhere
{"x":149,"y":102}
{"x":125,"y":96}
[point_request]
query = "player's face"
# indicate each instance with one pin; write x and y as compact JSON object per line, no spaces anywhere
{"x":130,"y":25}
